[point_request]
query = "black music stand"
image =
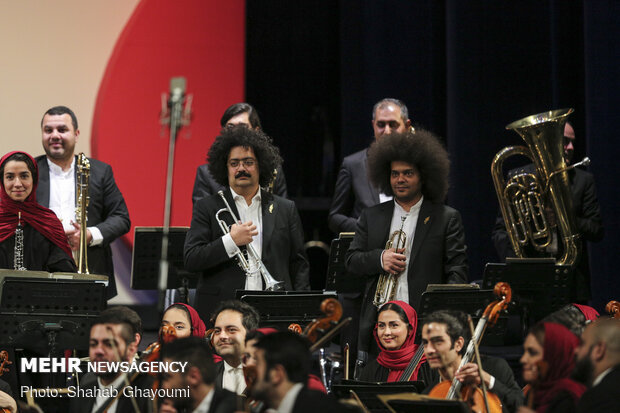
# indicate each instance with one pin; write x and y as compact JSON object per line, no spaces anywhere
{"x":338,"y":279}
{"x":147,"y":256}
{"x":367,"y":392}
{"x":279,"y":309}
{"x":425,"y":405}
{"x":468,"y":300}
{"x":539,"y":287}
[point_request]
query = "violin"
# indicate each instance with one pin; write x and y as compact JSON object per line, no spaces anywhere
{"x":478,"y":400}
{"x":613,"y":309}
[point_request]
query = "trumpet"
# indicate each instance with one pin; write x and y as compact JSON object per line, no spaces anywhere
{"x":388,"y":283}
{"x":271,"y":284}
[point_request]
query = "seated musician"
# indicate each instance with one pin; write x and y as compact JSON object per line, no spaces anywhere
{"x":43,"y":245}
{"x":395,"y":334}
{"x":547,"y":361}
{"x":243,"y":159}
{"x":445,"y":337}
{"x":249,"y":359}
{"x":113,"y":338}
{"x":198,"y":376}
{"x":185,"y":320}
{"x":573,"y":316}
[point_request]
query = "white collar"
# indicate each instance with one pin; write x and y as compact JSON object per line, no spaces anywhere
{"x":229,"y":369}
{"x":205,"y":404}
{"x":415,"y":209}
{"x":57,"y":170}
{"x":237,"y":197}
{"x":601,"y":376}
{"x":288,"y":402}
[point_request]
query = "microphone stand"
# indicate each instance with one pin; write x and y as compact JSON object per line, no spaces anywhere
{"x":176,"y":121}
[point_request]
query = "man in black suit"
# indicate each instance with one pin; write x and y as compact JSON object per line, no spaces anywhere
{"x":587,"y":214}
{"x":114,"y":337}
{"x":108,"y":217}
{"x":598,"y":366}
{"x":232,"y":320}
{"x":353,"y":191}
{"x":237,"y":114}
{"x":242,"y":159}
{"x":445,"y":336}
{"x":198,"y":376}
{"x":413,"y":167}
{"x":282,"y":368}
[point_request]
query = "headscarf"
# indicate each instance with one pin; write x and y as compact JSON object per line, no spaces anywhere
{"x":42,"y":219}
{"x":588,"y":312}
{"x":559,"y":359}
{"x":198,"y":326}
{"x":398,"y":360}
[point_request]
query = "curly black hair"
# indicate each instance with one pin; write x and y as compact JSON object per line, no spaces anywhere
{"x":267,"y":155}
{"x":419,"y":148}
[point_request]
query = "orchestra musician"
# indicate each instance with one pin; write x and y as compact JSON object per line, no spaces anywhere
{"x":185,"y":320}
{"x":547,"y":361}
{"x":113,"y":337}
{"x":198,"y":376}
{"x":445,"y":337}
{"x":108,"y":217}
{"x":598,"y":366}
{"x":242,"y":159}
{"x":413,"y":167}
{"x":42,"y":245}
{"x":395,"y":333}
{"x":237,"y":114}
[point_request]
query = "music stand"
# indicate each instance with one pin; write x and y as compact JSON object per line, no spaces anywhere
{"x":146,"y":259}
{"x":539,"y":287}
{"x":410,"y":403}
{"x":367,"y":393}
{"x":279,"y":309}
{"x":468,"y":300}
{"x":338,"y":279}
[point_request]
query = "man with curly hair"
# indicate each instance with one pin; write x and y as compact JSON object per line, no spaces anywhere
{"x":236,"y":114}
{"x":413,"y":167}
{"x":242,"y":160}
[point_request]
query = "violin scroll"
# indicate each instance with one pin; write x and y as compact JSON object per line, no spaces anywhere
{"x":333,"y":311}
{"x":613,"y":309}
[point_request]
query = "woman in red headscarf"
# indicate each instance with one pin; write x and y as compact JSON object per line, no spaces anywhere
{"x":45,"y":246}
{"x":184,"y":319}
{"x":395,"y":332}
{"x":548,"y":360}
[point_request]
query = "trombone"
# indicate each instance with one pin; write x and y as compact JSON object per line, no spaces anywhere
{"x":271,"y":284}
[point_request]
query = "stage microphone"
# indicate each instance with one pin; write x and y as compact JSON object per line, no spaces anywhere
{"x":177,"y":89}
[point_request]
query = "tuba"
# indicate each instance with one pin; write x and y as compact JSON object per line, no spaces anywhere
{"x":81,"y":210}
{"x":388,"y":283}
{"x":523,"y":199}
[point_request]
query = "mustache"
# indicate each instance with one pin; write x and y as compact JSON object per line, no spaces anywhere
{"x":241,"y":174}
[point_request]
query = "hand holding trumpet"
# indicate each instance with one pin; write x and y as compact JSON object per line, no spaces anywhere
{"x":242,"y":234}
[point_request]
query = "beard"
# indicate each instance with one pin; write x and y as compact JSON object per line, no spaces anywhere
{"x":584,"y":370}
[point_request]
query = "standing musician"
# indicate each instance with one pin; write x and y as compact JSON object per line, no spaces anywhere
{"x":413,"y":167}
{"x":395,"y":333}
{"x":108,"y":217}
{"x":242,"y":159}
{"x":114,"y":337}
{"x":28,"y":231}
{"x":445,"y":337}
{"x":238,"y":114}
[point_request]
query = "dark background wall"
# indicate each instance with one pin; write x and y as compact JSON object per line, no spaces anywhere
{"x":465,"y":70}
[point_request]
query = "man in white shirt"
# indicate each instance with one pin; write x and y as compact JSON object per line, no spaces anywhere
{"x":108,"y":217}
{"x":233,"y":319}
{"x":242,"y":160}
{"x":197,"y":378}
{"x":282,"y":367}
{"x":598,"y":366}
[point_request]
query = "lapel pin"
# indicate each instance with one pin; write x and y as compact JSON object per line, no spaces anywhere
{"x":426,"y":220}
{"x":271,"y":209}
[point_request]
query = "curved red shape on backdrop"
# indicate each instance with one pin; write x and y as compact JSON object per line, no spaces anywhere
{"x":202,"y":40}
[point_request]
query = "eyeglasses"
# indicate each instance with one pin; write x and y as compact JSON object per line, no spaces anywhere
{"x":247,"y":162}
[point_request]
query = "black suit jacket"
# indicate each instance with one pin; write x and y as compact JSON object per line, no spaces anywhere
{"x":438,"y":254}
{"x":106,"y":210}
{"x":587,"y":220}
{"x":604,"y":396}
{"x":282,"y":249}
{"x":205,"y":185}
{"x":353,"y":193}
{"x":312,"y":401}
{"x":223,"y":401}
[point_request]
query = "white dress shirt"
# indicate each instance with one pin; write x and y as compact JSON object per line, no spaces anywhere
{"x":233,"y":379}
{"x":101,"y":399}
{"x":288,"y":402}
{"x":205,"y":404}
{"x":252,"y":212}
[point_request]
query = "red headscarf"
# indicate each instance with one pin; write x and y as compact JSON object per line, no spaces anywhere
{"x":588,"y":312}
{"x":398,"y":360}
{"x":198,"y":326}
{"x":558,"y":354}
{"x":42,"y":219}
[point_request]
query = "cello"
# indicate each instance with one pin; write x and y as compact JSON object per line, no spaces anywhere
{"x":477,"y":399}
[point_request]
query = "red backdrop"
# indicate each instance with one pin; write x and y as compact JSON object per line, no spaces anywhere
{"x":202,"y":40}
